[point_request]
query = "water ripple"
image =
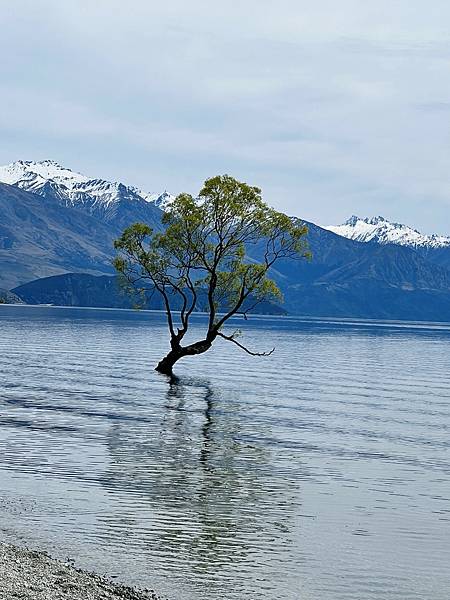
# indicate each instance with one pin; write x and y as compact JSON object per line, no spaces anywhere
{"x":321,"y":473}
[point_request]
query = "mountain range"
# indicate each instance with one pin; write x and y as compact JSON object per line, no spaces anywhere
{"x":110,"y":202}
{"x":82,"y":289}
{"x":54,"y":221}
{"x":381,"y":231}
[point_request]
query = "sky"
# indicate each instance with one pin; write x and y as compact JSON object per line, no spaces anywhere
{"x":332,"y":108}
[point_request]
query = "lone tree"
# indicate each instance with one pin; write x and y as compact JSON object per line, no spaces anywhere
{"x":200,"y":260}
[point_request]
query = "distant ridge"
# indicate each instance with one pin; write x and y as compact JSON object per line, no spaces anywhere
{"x":41,"y":237}
{"x":379,"y":229}
{"x":107,"y":200}
{"x":81,"y":289}
{"x":54,"y":221}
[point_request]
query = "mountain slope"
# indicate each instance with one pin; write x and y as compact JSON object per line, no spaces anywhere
{"x":7,"y":297}
{"x":355,"y":279}
{"x":67,"y":223}
{"x":111,"y":202}
{"x":435,"y":248}
{"x":379,"y":229}
{"x":81,"y":289}
{"x":350,"y":288}
{"x":44,"y":238}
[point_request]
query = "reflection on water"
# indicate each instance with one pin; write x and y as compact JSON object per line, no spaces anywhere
{"x":214,"y":502}
{"x":321,"y":473}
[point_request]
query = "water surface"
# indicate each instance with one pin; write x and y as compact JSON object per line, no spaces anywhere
{"x":320,"y":473}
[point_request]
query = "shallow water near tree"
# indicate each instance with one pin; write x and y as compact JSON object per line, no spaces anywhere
{"x":320,"y":473}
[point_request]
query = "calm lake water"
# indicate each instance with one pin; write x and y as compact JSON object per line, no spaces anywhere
{"x":320,"y":473}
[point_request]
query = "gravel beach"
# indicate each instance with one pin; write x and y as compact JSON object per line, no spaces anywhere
{"x":31,"y":575}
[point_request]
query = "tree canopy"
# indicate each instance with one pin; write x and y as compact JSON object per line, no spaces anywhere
{"x":201,"y":257}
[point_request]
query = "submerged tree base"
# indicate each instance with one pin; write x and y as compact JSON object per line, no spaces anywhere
{"x":166,"y":364}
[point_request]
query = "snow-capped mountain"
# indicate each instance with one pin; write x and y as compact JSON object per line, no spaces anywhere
{"x":164,"y":200}
{"x":100,"y":198}
{"x":24,"y":173}
{"x":68,"y":224}
{"x":382,"y":231}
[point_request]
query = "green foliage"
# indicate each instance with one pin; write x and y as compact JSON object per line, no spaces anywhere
{"x":204,"y":246}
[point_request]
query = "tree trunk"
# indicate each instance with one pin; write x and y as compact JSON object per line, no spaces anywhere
{"x":165,"y":365}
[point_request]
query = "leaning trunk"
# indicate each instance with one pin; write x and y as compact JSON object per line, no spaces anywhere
{"x":166,"y":364}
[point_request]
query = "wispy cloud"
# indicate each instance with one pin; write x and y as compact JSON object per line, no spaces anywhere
{"x":333,"y":108}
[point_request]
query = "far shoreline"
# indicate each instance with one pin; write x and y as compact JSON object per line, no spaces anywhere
{"x":307,"y":319}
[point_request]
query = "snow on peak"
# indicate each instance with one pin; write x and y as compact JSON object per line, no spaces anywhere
{"x":27,"y":170}
{"x":378,"y":229}
{"x":74,"y":187}
{"x":352,"y":221}
{"x":164,"y":200}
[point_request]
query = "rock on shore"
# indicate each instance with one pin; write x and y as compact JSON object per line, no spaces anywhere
{"x":30,"y":575}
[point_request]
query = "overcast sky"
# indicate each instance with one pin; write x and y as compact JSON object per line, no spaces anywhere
{"x":332,"y":108}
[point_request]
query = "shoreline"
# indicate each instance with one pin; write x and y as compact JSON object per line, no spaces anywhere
{"x":302,"y":318}
{"x":27,"y":574}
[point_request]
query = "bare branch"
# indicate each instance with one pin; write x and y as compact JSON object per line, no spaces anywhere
{"x":230,"y":338}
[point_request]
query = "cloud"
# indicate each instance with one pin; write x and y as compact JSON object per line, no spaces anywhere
{"x":332,"y":109}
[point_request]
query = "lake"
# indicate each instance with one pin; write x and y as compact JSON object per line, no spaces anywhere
{"x":319,"y":473}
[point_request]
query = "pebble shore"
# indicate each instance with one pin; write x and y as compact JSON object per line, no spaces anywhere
{"x":30,"y":575}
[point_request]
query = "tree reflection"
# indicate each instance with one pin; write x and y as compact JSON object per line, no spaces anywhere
{"x":206,"y":489}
